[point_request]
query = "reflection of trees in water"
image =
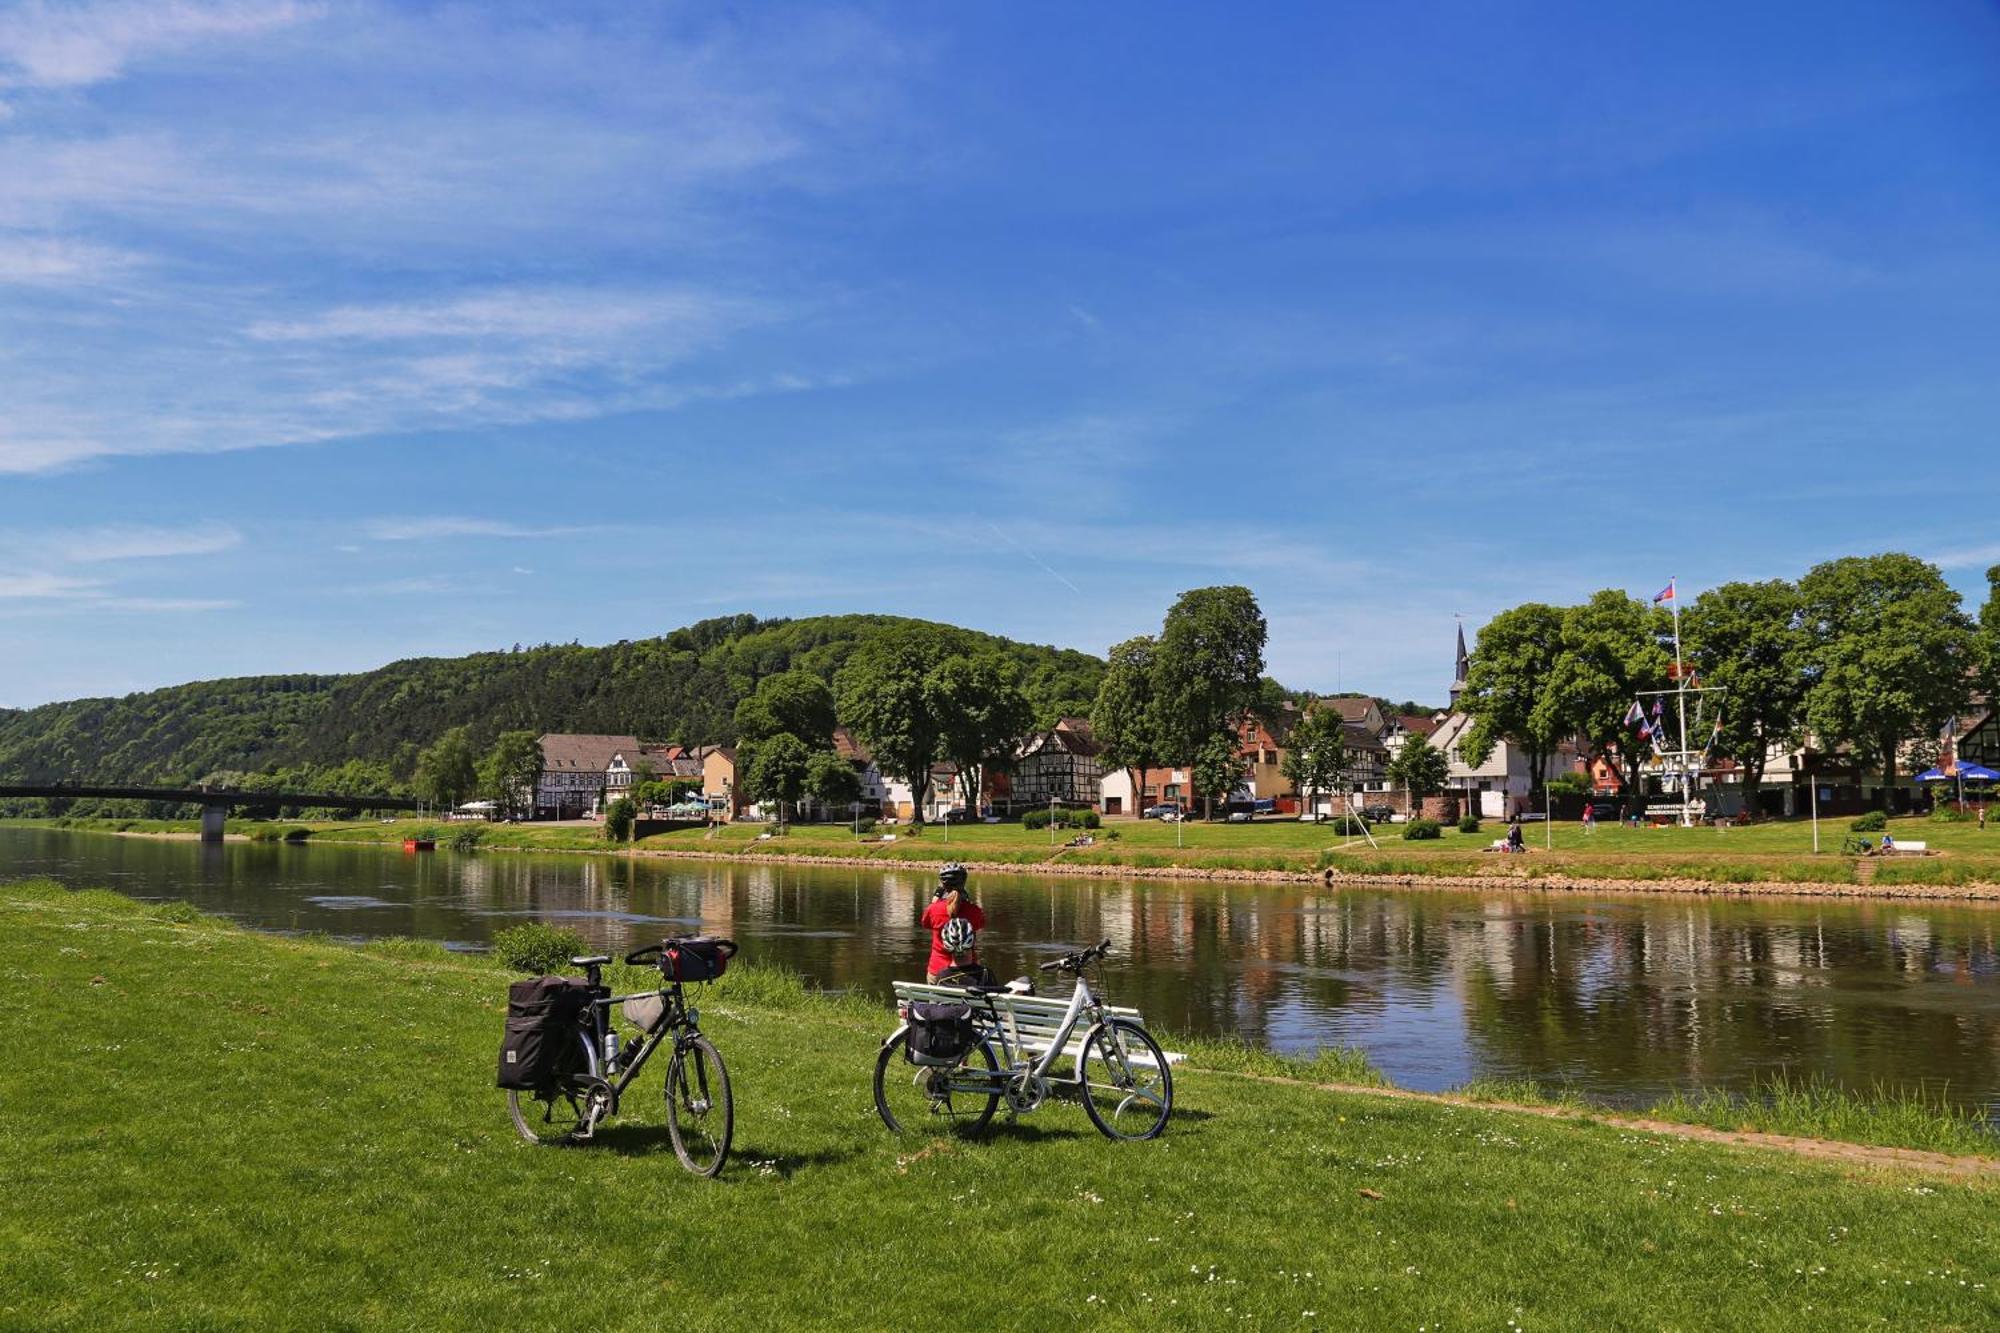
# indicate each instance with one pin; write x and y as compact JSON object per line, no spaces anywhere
{"x":1648,"y":996}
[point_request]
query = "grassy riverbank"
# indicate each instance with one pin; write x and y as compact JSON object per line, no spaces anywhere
{"x":1777,"y":854}
{"x":209,"y":1126}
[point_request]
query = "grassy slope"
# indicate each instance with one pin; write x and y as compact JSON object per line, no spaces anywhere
{"x":205,"y":1126}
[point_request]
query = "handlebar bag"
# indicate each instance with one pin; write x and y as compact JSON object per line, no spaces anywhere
{"x":541,"y":1044}
{"x":702,"y":958}
{"x":940,"y":1034}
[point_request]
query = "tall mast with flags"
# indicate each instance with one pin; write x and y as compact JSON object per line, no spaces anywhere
{"x":1686,"y":762}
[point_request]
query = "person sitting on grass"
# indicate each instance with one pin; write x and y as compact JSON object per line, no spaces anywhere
{"x":1888,"y":842}
{"x":1515,"y":842}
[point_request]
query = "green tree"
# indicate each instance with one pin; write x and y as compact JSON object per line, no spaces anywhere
{"x":1123,"y":721}
{"x":1217,"y":769}
{"x":886,"y":697}
{"x":1611,"y":650}
{"x":619,"y":817}
{"x":1989,"y":635}
{"x":1509,"y":691}
{"x":1891,"y":652}
{"x":446,"y":772}
{"x":1315,"y":754}
{"x":1746,"y":641}
{"x":1208,"y":666}
{"x":831,"y":780}
{"x":508,"y":773}
{"x":778,"y":772}
{"x":983,"y":713}
{"x":791,"y":701}
{"x":653,"y":793}
{"x":1419,"y":769}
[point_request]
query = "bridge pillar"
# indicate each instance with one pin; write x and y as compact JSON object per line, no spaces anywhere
{"x":211,"y":822}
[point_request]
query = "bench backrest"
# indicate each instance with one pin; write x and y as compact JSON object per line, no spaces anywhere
{"x":1911,"y":847}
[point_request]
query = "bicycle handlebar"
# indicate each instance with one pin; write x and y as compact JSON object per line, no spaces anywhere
{"x":1076,"y":962}
{"x":652,"y":953}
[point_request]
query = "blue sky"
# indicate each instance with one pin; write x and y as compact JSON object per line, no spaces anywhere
{"x":337,"y":333}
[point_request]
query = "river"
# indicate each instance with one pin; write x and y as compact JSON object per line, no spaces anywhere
{"x":1619,"y":998}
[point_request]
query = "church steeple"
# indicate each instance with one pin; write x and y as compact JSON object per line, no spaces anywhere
{"x":1463,"y":664}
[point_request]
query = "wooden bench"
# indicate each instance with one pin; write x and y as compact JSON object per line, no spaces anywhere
{"x":1027,"y":1023}
{"x":1912,"y":848}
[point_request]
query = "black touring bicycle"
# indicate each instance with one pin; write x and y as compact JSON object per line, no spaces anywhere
{"x":565,"y":1072}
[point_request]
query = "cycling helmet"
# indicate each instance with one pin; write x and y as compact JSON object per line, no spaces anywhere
{"x":951,"y":875}
{"x":956,"y":935}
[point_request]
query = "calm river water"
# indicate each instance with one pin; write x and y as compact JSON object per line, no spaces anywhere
{"x":1620,"y":998}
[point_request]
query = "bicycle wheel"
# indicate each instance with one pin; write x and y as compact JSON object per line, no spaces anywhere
{"x":700,"y":1112}
{"x":1128,"y":1089}
{"x":918,"y":1099}
{"x":554,"y":1115}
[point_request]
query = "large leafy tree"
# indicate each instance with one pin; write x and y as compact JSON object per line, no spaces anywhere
{"x":1747,"y":642}
{"x":790,"y":701}
{"x":1611,"y":650}
{"x":447,"y":772}
{"x":1123,"y":720}
{"x":1315,"y":754}
{"x":1892,"y":653}
{"x":831,"y":780}
{"x":1509,"y":689}
{"x":1217,"y":769}
{"x":1419,"y":769}
{"x":1989,"y":635}
{"x":778,"y":770}
{"x":508,"y":773}
{"x":982,"y":712}
{"x":886,"y":696}
{"x":1208,"y":668}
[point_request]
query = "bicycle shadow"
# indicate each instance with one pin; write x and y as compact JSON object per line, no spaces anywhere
{"x":784,"y":1164}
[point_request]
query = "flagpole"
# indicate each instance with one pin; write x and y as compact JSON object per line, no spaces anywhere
{"x":1680,"y":703}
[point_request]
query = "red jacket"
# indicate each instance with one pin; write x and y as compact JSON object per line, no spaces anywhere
{"x":936,"y":915}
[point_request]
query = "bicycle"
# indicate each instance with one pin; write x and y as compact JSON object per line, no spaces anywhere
{"x":1121,"y":1075}
{"x":700,"y":1111}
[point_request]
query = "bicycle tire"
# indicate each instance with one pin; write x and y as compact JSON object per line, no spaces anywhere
{"x":1125,"y":1087}
{"x":890,"y":1066}
{"x":561,"y":1113}
{"x":701,"y":1113}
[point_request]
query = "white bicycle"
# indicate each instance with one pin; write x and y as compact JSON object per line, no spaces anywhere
{"x":948,"y":1066}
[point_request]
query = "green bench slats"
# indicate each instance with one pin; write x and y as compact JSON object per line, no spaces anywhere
{"x":1030,"y":1021}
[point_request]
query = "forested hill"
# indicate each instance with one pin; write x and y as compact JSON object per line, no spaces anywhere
{"x":680,"y":687}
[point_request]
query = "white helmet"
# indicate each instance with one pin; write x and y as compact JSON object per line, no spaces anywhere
{"x":956,"y":935}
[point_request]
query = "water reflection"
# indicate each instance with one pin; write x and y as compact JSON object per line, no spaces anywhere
{"x":1623,"y":998}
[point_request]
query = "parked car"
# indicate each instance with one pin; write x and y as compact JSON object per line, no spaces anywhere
{"x":1378,"y":814}
{"x":960,"y":815}
{"x":1164,"y":810}
{"x":1240,"y":816}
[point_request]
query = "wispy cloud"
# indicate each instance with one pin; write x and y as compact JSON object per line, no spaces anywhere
{"x":46,"y":45}
{"x":139,"y":542}
{"x":443,"y":526}
{"x":1968,"y":557}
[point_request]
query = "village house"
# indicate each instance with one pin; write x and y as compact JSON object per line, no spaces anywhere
{"x":577,"y":771}
{"x":1163,"y":785}
{"x":1060,"y":765}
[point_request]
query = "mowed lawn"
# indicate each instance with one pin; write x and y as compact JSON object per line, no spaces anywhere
{"x":207,"y":1128}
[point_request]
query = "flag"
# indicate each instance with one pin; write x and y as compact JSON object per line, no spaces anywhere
{"x":1656,"y":711}
{"x":1665,"y":594}
{"x":1950,"y":731}
{"x":1635,"y":715}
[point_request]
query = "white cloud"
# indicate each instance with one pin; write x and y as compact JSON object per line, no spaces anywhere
{"x":132,"y":542}
{"x":1968,"y":557}
{"x":34,"y":261}
{"x":16,"y":585}
{"x":64,"y":46}
{"x":446,"y":526}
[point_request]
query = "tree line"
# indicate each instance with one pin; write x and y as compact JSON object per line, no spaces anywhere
{"x":1864,"y":653}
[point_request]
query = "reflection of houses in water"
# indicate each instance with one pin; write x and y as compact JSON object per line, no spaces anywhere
{"x":760,"y":892}
{"x":717,"y":901}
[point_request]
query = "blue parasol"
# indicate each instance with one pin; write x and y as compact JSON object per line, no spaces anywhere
{"x":1970,"y":772}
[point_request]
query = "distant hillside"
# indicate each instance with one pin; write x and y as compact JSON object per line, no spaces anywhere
{"x":680,"y":687}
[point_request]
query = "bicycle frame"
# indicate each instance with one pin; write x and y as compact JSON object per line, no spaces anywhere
{"x":674,"y":1015}
{"x":1022,"y":1073}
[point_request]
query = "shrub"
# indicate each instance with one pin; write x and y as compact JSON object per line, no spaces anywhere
{"x":1422,"y":830}
{"x":537,"y":949}
{"x":864,"y":825}
{"x":618,"y":817}
{"x":1344,"y":826}
{"x":1570,"y":784}
{"x":1872,"y":822}
{"x":1038,"y":818}
{"x":1469,"y":824}
{"x":468,"y":838}
{"x":1946,"y":814}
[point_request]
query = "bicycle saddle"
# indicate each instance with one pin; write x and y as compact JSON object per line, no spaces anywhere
{"x":592,"y":961}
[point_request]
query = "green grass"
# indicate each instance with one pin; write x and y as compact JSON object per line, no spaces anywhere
{"x":1804,"y":1108}
{"x":210,"y":1127}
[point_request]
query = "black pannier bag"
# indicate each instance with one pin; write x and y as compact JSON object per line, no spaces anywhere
{"x":542,"y":1043}
{"x":702,"y":958}
{"x":940,"y":1034}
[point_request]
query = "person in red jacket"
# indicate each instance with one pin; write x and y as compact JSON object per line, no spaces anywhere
{"x":952,"y":903}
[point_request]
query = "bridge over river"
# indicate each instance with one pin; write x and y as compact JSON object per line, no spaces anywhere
{"x":215,"y":802}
